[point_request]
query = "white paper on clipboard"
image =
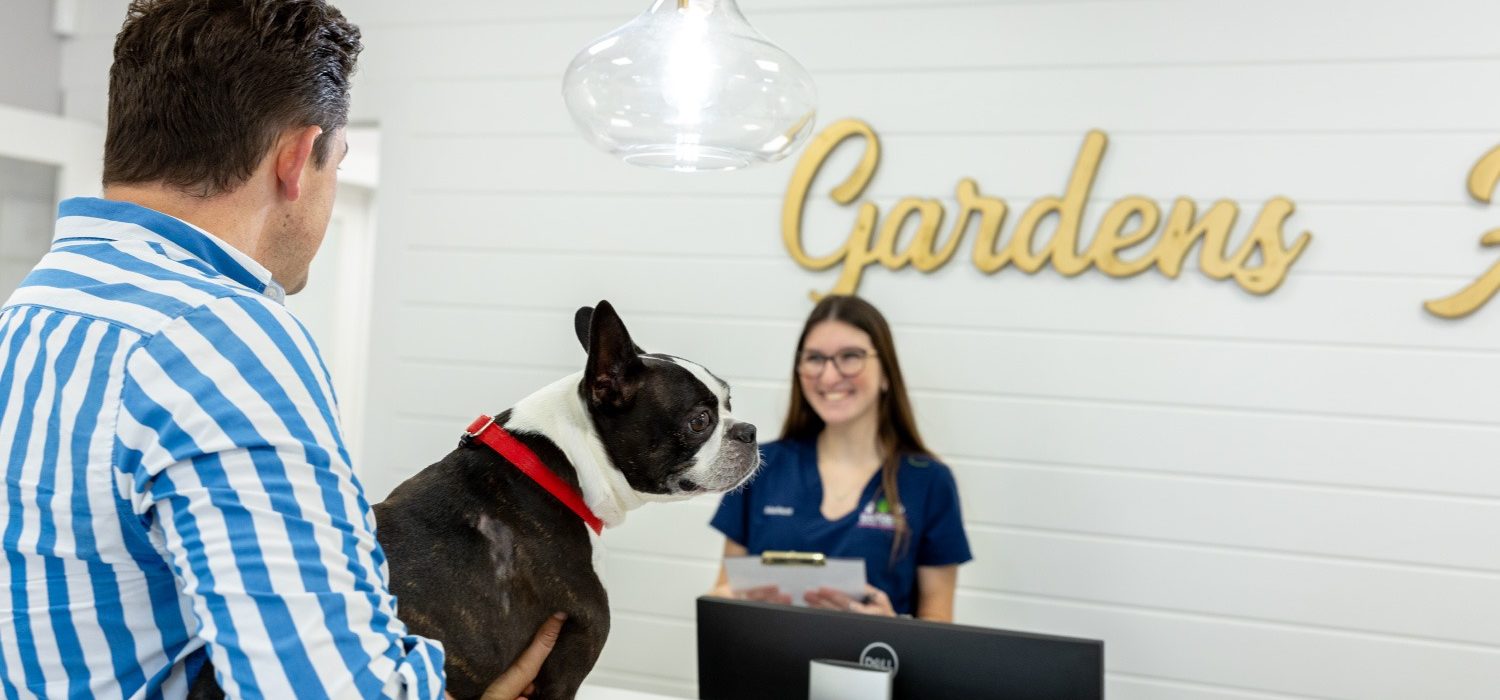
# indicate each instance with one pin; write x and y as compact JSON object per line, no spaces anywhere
{"x":844,"y":575}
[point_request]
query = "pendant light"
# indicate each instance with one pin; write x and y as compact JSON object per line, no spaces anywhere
{"x":690,"y":85}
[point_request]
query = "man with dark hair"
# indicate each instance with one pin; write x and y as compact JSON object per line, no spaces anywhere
{"x":176,"y":485}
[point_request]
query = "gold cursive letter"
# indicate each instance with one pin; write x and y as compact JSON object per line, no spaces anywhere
{"x":855,"y":253}
{"x":988,"y":256}
{"x":1182,"y":230}
{"x":1482,"y":181}
{"x":1063,"y":248}
{"x":1111,"y":238}
{"x":919,"y":252}
{"x":1275,"y":258}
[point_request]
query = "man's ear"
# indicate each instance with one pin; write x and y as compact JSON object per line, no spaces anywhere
{"x":614,"y":369}
{"x":293,"y":151}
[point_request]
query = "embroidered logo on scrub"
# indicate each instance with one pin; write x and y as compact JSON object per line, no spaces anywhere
{"x":778,"y":510}
{"x":877,"y":515}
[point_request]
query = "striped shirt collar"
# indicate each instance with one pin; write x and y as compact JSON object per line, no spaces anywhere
{"x":105,"y":219}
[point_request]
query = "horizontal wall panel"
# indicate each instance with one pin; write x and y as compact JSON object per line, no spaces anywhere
{"x":1337,"y":167}
{"x":679,"y":531}
{"x":1276,"y":447}
{"x":672,"y":687}
{"x":100,"y":18}
{"x":86,"y":62}
{"x":1298,"y":379}
{"x":1250,"y":655}
{"x":882,"y":39}
{"x":1334,"y":97}
{"x":1118,"y":686}
{"x":88,"y":105}
{"x":636,"y":643}
{"x":1271,"y":517}
{"x":653,"y":585}
{"x":1459,"y":607}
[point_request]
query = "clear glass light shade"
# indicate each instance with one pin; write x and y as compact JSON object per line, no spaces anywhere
{"x":690,"y":85}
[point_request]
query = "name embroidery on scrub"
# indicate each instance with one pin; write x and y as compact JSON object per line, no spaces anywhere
{"x":877,"y":515}
{"x":778,"y":510}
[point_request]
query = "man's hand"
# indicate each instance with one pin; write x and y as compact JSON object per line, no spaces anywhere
{"x":516,"y":681}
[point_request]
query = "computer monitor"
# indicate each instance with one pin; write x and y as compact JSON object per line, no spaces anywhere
{"x":761,"y":650}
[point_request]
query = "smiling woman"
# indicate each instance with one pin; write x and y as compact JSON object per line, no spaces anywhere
{"x":851,"y":477}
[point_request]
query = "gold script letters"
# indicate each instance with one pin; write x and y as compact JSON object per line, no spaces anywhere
{"x":1259,"y":264}
{"x":1483,"y":179}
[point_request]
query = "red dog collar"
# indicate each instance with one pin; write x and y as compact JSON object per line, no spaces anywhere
{"x":485,"y":430}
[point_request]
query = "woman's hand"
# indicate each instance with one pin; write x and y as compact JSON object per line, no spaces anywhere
{"x":516,"y":682}
{"x":763,"y":594}
{"x":875,"y":603}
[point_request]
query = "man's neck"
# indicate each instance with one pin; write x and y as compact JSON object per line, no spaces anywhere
{"x":231,"y":217}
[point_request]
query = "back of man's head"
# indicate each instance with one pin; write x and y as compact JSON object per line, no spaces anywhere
{"x":201,"y":89}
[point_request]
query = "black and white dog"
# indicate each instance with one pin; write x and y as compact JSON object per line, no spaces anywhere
{"x":482,"y":548}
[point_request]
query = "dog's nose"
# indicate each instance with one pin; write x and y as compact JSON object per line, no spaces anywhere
{"x":744,"y":432}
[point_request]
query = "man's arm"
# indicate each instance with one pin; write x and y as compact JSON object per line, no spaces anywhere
{"x":228,"y":434}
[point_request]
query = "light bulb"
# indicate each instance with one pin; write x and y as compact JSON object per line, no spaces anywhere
{"x":690,"y":85}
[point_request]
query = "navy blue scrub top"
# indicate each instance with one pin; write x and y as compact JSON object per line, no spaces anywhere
{"x":780,"y":510}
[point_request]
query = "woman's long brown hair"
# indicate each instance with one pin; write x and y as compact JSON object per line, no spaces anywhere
{"x":897,"y":433}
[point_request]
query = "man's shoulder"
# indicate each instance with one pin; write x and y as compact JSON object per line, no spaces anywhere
{"x":246,"y":329}
{"x":131,"y":285}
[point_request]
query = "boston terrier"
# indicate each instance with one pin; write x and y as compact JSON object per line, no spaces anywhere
{"x":487,"y":543}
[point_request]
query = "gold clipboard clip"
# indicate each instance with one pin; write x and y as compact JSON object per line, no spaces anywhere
{"x":793,"y":558}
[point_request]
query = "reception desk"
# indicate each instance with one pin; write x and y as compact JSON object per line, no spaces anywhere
{"x":758,"y":650}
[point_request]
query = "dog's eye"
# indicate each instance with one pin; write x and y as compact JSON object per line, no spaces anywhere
{"x":700,"y":422}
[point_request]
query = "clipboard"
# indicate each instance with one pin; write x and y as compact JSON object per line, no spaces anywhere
{"x":796,"y":572}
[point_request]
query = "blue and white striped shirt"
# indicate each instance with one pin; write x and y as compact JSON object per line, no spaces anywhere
{"x":176,"y":486}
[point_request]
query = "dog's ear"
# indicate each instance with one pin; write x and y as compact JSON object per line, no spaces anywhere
{"x":614,"y":371}
{"x":582,"y":320}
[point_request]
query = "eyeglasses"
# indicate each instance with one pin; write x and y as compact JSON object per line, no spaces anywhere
{"x":848,"y":362}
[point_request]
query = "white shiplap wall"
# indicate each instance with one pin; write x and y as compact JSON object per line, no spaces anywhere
{"x":31,"y":51}
{"x":27,"y":194}
{"x":1245,"y":497}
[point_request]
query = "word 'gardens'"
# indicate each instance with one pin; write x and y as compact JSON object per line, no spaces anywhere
{"x":1259,"y":264}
